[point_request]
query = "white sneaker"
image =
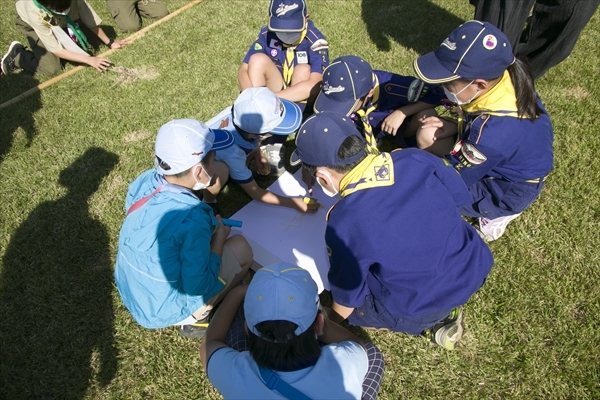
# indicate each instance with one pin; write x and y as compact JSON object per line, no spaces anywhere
{"x":275,"y":155}
{"x":493,"y":229}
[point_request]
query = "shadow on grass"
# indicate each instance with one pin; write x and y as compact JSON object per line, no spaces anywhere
{"x":19,"y":115}
{"x":56,"y":293}
{"x":418,"y":24}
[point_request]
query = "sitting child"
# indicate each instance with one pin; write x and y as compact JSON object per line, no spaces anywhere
{"x":174,"y":261}
{"x":279,"y":345}
{"x":289,"y":54}
{"x":256,"y":114}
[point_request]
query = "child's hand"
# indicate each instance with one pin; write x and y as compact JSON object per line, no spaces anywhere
{"x":301,"y":206}
{"x":443,"y":128}
{"x":392,"y":122}
{"x":260,"y":162}
{"x":221,"y":231}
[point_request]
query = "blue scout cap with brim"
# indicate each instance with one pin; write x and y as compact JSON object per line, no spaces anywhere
{"x":287,"y":15}
{"x":320,"y":138}
{"x":345,"y":81}
{"x":473,"y":50}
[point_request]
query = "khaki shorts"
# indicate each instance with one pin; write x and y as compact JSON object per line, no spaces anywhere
{"x":230,"y":267}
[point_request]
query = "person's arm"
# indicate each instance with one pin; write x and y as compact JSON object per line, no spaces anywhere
{"x":218,"y":238}
{"x":117,"y":44}
{"x":334,"y":333}
{"x":260,"y":194}
{"x":393,"y":121}
{"x":338,"y":313}
{"x":243,"y":78}
{"x":101,"y":64}
{"x":301,"y":90}
{"x":216,"y":332}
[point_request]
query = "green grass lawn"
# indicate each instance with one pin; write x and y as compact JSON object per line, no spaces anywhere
{"x":68,"y":153}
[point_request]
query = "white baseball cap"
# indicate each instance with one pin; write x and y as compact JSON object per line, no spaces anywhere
{"x":258,"y":110}
{"x":183,"y":143}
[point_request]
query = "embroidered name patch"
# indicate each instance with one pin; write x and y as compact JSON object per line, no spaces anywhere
{"x":301,"y":57}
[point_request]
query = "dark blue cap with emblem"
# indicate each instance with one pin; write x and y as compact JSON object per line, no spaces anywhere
{"x":345,"y":81}
{"x":473,"y":50}
{"x":319,"y":139}
{"x":287,"y":15}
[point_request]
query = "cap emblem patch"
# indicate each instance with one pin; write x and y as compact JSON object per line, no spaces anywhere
{"x":490,"y":42}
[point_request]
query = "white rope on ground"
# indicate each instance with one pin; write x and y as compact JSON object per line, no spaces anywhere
{"x":72,"y":71}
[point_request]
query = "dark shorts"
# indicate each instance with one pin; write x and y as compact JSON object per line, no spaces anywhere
{"x":373,"y":314}
{"x":494,"y":198}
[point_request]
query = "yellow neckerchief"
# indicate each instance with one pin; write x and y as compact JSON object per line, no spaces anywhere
{"x":500,"y":100}
{"x":364,"y":117}
{"x":288,"y":64}
{"x":373,"y":171}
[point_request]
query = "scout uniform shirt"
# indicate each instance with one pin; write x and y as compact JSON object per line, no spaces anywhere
{"x":41,"y":22}
{"x":313,"y":50}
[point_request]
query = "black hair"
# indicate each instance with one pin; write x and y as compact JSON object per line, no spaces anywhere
{"x":280,"y":349}
{"x":351,"y":146}
{"x":56,"y":5}
{"x":522,"y":79}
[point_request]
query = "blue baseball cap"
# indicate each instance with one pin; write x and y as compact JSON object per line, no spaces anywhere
{"x":258,"y":110}
{"x":182,"y":143}
{"x":346,"y":80}
{"x":281,"y":291}
{"x":320,"y":138}
{"x":473,"y":50}
{"x":287,"y":15}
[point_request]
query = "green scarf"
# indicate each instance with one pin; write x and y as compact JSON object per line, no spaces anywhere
{"x":81,"y":39}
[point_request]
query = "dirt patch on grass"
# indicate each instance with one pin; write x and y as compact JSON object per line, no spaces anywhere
{"x":577,"y":92}
{"x":133,"y":75}
{"x":136,"y":136}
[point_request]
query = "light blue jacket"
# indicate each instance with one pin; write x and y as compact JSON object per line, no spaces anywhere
{"x":165,"y":270}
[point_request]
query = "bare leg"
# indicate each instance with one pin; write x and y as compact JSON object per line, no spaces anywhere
{"x":262,"y":72}
{"x":436,"y":140}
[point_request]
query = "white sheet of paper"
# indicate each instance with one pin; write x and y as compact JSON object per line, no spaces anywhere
{"x":66,"y":41}
{"x":280,"y":233}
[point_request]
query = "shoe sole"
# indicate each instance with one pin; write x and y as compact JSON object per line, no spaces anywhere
{"x":501,"y":228}
{"x":10,"y":49}
{"x":451,"y":337}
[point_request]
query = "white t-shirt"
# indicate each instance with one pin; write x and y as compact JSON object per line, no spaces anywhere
{"x":338,"y":374}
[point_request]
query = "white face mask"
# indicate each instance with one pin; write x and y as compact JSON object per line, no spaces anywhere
{"x":326,"y":191}
{"x":63,"y":12}
{"x":199,"y":185}
{"x":288,"y":37}
{"x":453,"y":97}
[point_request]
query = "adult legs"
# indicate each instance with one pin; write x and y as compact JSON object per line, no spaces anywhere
{"x":153,"y":9}
{"x":125,"y":14}
{"x":553,"y":32}
{"x":509,"y":16}
{"x":38,"y":60}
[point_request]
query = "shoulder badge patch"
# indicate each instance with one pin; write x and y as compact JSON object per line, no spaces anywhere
{"x":472,"y":155}
{"x":257,"y":46}
{"x":415,"y":90}
{"x":320,"y":44}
